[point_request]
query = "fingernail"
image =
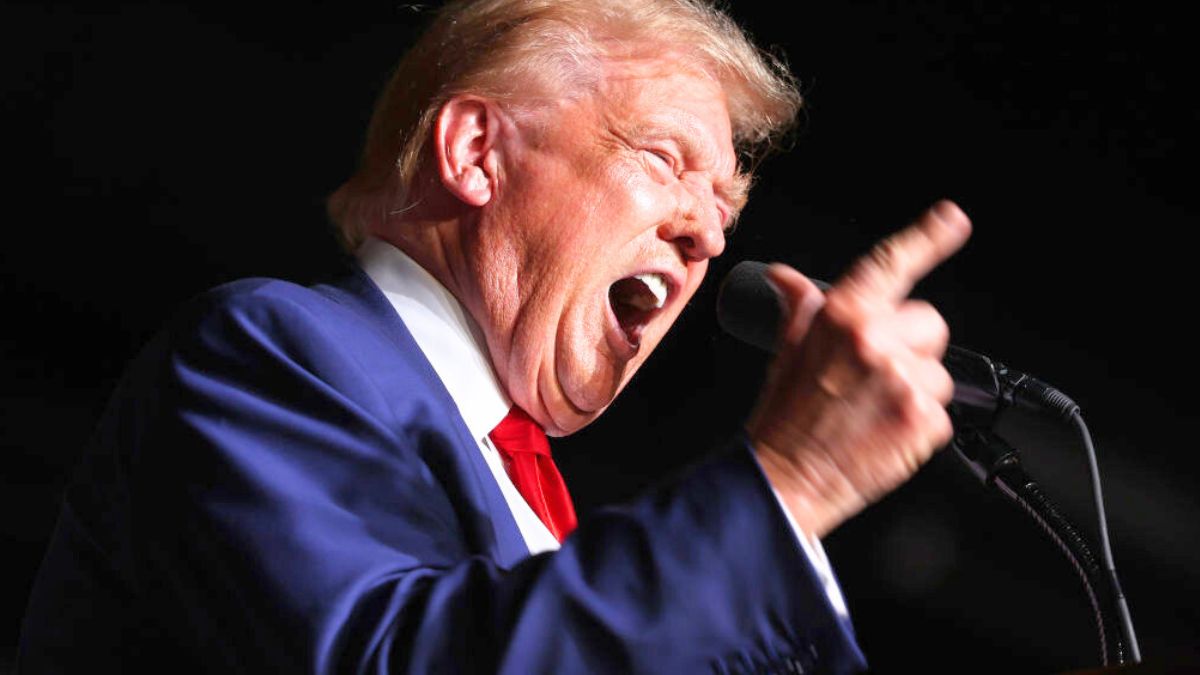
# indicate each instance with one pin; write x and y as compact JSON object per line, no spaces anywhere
{"x":949,"y":212}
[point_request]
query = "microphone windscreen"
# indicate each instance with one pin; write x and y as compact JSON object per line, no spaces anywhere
{"x":749,"y":310}
{"x":748,"y":307}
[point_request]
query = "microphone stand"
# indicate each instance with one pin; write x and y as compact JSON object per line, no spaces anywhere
{"x":998,"y":465}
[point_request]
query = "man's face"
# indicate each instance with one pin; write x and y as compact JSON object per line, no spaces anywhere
{"x":607,"y":212}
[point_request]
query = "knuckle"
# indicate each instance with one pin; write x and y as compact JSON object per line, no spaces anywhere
{"x":923,"y":233}
{"x":937,"y":324}
{"x":921,"y":419}
{"x":909,"y":419}
{"x":922,"y":307}
{"x":854,"y":332}
{"x":840,"y":312}
{"x":925,"y":312}
{"x":942,"y":429}
{"x":905,"y":400}
{"x":945,"y":387}
{"x":912,"y":411}
{"x":866,"y":349}
{"x":887,"y":254}
{"x":942,"y":331}
{"x":895,"y":377}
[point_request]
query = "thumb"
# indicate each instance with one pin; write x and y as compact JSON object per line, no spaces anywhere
{"x":799,"y":298}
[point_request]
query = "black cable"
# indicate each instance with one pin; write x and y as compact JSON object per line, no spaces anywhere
{"x":1110,"y":567}
{"x":1077,"y":554}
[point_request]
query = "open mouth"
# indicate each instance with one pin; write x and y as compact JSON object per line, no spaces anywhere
{"x":635,"y":301}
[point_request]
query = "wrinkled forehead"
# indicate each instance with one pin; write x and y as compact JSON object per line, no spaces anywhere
{"x":646,"y":93}
{"x":582,"y":72}
{"x":669,"y":97}
{"x":669,"y":79}
{"x":648,"y":63}
{"x":648,"y":85}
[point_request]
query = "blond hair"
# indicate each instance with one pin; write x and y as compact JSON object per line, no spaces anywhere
{"x":516,"y":50}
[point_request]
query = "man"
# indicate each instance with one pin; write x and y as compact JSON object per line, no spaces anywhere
{"x":321,"y":479}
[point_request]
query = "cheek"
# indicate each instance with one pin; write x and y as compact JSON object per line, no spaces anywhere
{"x":646,"y":200}
{"x":592,"y":220}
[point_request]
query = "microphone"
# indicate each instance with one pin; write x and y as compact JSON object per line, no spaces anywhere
{"x":748,"y":309}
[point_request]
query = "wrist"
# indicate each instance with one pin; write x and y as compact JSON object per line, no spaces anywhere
{"x":814,"y":491}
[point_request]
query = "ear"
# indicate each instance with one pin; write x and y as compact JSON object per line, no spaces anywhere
{"x":466,"y":135}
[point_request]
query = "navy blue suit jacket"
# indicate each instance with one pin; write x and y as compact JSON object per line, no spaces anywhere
{"x":282,"y":484}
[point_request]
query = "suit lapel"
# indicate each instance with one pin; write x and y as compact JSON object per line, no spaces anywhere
{"x":499,"y":533}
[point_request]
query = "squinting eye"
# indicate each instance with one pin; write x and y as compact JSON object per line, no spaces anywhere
{"x":663,"y":158}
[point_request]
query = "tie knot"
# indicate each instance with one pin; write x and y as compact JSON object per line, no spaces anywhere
{"x":517,"y":432}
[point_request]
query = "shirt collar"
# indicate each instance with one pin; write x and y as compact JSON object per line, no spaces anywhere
{"x":451,"y":341}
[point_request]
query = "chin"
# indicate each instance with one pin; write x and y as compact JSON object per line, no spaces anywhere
{"x":574,"y":423}
{"x":561,"y":418}
{"x":581,"y":407}
{"x":587,"y":375}
{"x":571,"y":401}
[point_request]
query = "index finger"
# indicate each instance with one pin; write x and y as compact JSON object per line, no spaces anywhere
{"x":894,"y":266}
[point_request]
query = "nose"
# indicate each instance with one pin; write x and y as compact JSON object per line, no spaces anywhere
{"x":697,"y":228}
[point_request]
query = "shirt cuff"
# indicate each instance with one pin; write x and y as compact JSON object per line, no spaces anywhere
{"x":816,"y":557}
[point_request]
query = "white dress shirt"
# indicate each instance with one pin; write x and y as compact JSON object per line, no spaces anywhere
{"x":457,"y":350}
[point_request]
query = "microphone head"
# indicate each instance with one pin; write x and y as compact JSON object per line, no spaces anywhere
{"x":748,"y":306}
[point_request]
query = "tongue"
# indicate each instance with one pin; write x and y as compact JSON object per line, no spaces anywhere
{"x":633,"y":304}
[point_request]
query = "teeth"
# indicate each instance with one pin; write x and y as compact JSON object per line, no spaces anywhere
{"x":657,"y":286}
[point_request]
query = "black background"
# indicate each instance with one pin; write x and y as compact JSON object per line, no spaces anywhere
{"x":154,"y":151}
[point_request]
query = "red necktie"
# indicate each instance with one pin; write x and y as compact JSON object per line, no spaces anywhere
{"x":526,"y":453}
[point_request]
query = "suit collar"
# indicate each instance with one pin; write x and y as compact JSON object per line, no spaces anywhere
{"x":353,"y":288}
{"x":447,"y":335}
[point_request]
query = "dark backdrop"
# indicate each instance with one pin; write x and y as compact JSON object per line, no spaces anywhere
{"x":154,"y":151}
